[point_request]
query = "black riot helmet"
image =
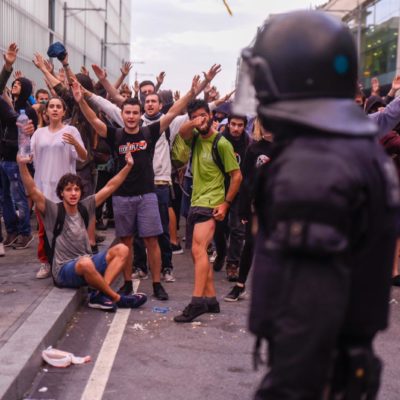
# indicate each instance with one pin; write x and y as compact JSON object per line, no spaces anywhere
{"x":303,"y":66}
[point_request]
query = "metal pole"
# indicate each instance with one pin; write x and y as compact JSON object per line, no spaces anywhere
{"x":102,"y":53}
{"x":65,"y":23}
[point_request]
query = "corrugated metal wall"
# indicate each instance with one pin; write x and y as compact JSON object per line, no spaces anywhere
{"x":26,"y":22}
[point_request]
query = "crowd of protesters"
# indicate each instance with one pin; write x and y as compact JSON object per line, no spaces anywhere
{"x":164,"y":157}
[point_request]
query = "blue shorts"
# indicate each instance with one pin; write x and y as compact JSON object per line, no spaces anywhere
{"x":137,"y":214}
{"x":67,"y":277}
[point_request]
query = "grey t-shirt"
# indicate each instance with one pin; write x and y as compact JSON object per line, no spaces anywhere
{"x":73,"y":241}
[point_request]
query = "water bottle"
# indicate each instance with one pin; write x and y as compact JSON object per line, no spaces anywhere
{"x":24,"y":140}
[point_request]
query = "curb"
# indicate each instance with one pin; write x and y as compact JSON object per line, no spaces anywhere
{"x":21,"y":356}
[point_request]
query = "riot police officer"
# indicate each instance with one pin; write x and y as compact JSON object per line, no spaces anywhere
{"x":326,"y":207}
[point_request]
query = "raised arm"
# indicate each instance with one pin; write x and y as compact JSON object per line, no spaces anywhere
{"x":160,"y":80}
{"x":126,"y":67}
{"x":114,"y":183}
{"x":39,"y":62}
{"x":9,"y":59}
{"x":179,"y":105}
{"x":111,"y":90}
{"x":31,"y":189}
{"x":98,"y":125}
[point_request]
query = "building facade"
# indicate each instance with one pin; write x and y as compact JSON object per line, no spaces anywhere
{"x":91,"y":36}
{"x":376,"y":28}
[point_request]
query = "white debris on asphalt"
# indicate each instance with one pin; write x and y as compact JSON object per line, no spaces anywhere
{"x":43,"y":389}
{"x":393,"y":301}
{"x":138,"y":327}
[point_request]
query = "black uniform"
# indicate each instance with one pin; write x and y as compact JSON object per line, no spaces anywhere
{"x":326,"y":205}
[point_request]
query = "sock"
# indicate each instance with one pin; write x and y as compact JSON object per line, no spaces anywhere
{"x":197,"y":300}
{"x":127,"y":285}
{"x":211,"y":300}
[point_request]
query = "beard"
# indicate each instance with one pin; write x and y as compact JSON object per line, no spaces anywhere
{"x":206,"y":129}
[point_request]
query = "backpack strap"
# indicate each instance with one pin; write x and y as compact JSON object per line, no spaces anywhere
{"x":58,"y":227}
{"x":215,"y":154}
{"x":193,"y":144}
{"x":84,"y":214}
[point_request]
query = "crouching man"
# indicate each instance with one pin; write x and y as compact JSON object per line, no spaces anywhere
{"x":73,"y":264}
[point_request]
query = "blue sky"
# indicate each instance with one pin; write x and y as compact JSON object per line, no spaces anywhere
{"x":185,"y":37}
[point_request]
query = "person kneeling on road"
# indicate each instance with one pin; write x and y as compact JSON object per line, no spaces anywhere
{"x":73,"y":264}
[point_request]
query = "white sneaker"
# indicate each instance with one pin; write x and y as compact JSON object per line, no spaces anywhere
{"x":44,"y":271}
{"x":168,"y":275}
{"x":213,"y":256}
{"x":139,"y":274}
{"x":2,"y":253}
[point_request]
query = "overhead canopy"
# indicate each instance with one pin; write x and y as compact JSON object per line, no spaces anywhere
{"x":341,"y":8}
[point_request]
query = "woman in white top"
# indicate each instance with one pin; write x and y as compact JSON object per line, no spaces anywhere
{"x":55,"y":149}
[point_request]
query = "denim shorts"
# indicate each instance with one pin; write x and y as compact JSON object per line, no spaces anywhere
{"x":67,"y":277}
{"x":137,"y":214}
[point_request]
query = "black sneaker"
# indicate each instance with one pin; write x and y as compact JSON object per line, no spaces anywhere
{"x":176,"y":249}
{"x":101,"y":302}
{"x":159,"y":292}
{"x":396,"y":280}
{"x":132,"y":300}
{"x":213,"y":308}
{"x":126,"y":289}
{"x":218,"y":263}
{"x":236,"y":293}
{"x":191,"y":312}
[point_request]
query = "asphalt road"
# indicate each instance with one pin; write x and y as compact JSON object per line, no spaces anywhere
{"x":148,"y":356}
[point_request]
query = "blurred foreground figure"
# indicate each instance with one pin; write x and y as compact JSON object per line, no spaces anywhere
{"x":326,"y":207}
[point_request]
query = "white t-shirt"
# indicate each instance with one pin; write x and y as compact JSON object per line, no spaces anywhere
{"x":53,"y":158}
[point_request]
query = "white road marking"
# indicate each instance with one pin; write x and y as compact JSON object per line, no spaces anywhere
{"x":101,"y":371}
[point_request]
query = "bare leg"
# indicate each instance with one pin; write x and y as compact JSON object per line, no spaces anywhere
{"x":86,"y":268}
{"x":203,"y":276}
{"x":116,"y":258}
{"x":154,"y":257}
{"x":128,"y":242}
{"x":173,"y":233}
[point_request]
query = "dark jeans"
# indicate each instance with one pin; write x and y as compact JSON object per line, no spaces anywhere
{"x":14,"y":196}
{"x":102,"y":178}
{"x":140,"y":257}
{"x":246,"y":258}
{"x":236,"y":231}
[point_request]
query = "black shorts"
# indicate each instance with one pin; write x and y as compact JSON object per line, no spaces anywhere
{"x":198,"y":215}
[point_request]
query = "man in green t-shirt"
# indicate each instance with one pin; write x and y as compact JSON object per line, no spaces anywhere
{"x":209,"y":202}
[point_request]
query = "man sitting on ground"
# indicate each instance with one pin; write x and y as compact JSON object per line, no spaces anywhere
{"x":73,"y":264}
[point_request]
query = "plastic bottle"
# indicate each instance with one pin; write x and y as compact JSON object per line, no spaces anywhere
{"x":24,"y":140}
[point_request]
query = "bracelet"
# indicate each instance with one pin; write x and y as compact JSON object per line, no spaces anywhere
{"x":228,"y":201}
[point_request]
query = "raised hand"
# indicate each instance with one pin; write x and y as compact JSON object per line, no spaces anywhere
{"x":396,"y":83}
{"x":195,"y":84}
{"x":99,"y":72}
{"x":77,"y":91}
{"x":135,"y":87}
{"x":229,"y":95}
{"x":177,"y":95}
{"x":10,"y":55}
{"x":212,"y":72}
{"x":160,"y":78}
{"x":18,"y":74}
{"x":61,"y":75}
{"x":126,"y":67}
{"x":84,"y":70}
{"x":38,"y":60}
{"x":375,"y":87}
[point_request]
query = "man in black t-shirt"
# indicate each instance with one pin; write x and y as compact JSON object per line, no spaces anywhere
{"x":135,"y":202}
